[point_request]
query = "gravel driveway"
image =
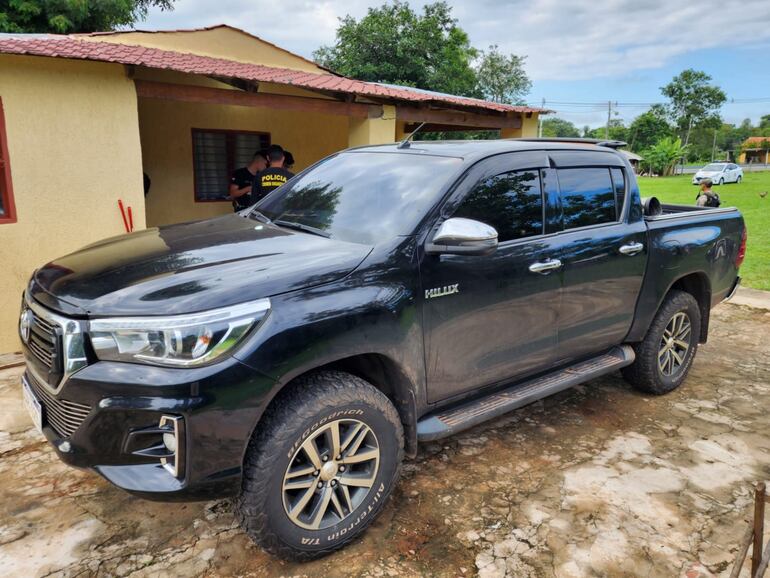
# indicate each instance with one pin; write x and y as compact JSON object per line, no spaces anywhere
{"x":596,"y":481}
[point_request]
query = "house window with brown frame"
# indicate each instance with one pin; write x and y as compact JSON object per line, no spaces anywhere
{"x":7,"y":207}
{"x":216,"y":154}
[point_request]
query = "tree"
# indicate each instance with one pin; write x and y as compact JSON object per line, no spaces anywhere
{"x":648,"y":128}
{"x":693,"y":101}
{"x":502,"y":78}
{"x":663,"y":156}
{"x":558,"y":127}
{"x":393,"y":43}
{"x":764,"y":122}
{"x":70,"y":16}
{"x":618,"y":131}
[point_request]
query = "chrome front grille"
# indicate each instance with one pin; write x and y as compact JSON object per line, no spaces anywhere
{"x":42,"y":340}
{"x":62,"y":415}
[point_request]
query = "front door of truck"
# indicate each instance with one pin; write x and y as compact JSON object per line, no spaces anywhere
{"x":603,"y":252}
{"x":490,"y":318}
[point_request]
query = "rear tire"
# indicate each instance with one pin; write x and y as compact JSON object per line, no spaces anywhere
{"x":298,"y":500}
{"x":665,"y":356}
{"x":738,"y":180}
{"x":721,"y":181}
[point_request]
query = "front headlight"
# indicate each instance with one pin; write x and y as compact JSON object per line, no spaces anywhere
{"x":179,"y":340}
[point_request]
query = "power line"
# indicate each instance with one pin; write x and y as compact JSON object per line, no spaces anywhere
{"x":620,"y":104}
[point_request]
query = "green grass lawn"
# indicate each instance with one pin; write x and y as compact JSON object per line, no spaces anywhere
{"x":755,"y":270}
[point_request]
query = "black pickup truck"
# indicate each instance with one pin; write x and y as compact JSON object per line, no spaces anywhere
{"x":293,"y":353}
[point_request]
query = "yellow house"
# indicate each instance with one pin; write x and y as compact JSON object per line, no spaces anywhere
{"x":755,"y":149}
{"x":84,"y":117}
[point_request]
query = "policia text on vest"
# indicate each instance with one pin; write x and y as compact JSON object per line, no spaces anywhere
{"x":267,"y":181}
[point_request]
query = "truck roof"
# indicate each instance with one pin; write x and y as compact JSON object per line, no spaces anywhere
{"x":474,"y":149}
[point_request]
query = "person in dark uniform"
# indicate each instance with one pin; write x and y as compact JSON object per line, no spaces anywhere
{"x":273,"y":176}
{"x":288,"y":161}
{"x":242,"y":181}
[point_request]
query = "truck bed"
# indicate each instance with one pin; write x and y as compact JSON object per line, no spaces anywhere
{"x":700,"y":243}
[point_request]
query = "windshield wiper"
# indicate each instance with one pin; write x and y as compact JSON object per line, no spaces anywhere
{"x":255,"y":214}
{"x":303,"y":228}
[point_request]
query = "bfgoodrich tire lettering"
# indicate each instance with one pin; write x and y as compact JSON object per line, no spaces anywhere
{"x":278,"y":507}
{"x":656,"y":370}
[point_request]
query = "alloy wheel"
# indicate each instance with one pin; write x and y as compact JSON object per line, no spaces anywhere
{"x":330,"y":474}
{"x":674,"y":344}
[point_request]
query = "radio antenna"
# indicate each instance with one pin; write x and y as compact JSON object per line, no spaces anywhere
{"x":404,"y":144}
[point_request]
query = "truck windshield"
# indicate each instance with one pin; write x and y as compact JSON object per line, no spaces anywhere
{"x":362,"y":197}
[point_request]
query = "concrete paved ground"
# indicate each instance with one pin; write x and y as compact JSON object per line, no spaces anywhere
{"x":752,"y":298}
{"x":597,"y":481}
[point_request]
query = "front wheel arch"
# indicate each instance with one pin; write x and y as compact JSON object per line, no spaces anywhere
{"x":380,"y":370}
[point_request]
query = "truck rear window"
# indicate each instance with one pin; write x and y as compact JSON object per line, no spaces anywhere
{"x":363,"y":197}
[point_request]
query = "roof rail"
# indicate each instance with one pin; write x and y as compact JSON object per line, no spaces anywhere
{"x":613,"y":144}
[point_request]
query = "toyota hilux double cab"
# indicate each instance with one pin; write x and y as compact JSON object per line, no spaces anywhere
{"x":292,"y":354}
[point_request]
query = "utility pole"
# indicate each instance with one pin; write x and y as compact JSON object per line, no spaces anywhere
{"x":540,"y":123}
{"x":714,"y":146}
{"x":609,"y":116}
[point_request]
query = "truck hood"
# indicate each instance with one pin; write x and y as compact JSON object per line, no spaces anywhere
{"x":191,"y":267}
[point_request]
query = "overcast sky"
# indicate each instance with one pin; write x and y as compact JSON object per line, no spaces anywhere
{"x":578,"y":51}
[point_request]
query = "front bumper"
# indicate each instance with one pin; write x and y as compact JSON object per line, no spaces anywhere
{"x":92,"y":421}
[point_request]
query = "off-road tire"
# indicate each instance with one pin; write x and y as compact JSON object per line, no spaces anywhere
{"x":645,"y":374}
{"x":309,"y":405}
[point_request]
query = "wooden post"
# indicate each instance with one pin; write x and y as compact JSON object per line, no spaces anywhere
{"x":759,"y":527}
{"x":745,"y":543}
{"x":765,"y":560}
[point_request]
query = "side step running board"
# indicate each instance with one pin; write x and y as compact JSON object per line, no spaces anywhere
{"x":449,"y":421}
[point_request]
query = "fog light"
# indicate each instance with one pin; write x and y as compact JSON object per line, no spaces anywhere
{"x":173,"y":440}
{"x":169,"y":440}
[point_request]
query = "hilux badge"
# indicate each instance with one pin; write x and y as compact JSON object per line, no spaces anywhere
{"x":442,"y":291}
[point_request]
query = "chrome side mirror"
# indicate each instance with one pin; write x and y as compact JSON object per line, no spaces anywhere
{"x":458,"y":236}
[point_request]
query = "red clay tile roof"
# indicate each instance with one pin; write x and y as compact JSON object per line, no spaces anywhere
{"x":204,"y":29}
{"x":74,"y":48}
{"x":756,"y":140}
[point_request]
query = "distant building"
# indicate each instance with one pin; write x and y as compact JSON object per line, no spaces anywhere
{"x":633,"y":158}
{"x":753,"y":151}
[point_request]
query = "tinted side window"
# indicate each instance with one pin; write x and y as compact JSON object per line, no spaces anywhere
{"x":587,"y":197}
{"x":619,"y":182}
{"x":512,"y":203}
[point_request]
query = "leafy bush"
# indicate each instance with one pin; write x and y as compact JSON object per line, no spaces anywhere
{"x":663,"y":156}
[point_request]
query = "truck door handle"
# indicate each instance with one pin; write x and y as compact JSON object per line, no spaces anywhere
{"x":545,"y":267}
{"x":631,"y":249}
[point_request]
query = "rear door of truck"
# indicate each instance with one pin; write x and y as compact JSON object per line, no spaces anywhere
{"x":603,"y":249}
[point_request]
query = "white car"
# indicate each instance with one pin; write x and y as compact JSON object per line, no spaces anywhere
{"x":719,"y":173}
